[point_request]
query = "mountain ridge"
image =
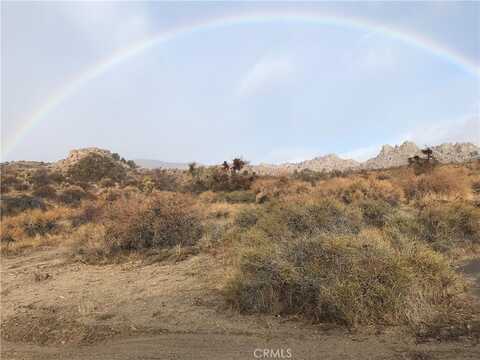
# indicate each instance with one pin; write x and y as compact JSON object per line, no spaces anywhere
{"x":388,"y":156}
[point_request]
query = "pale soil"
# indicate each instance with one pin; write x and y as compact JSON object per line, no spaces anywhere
{"x":53,"y":308}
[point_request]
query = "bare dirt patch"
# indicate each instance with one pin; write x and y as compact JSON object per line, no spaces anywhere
{"x":166,"y":310}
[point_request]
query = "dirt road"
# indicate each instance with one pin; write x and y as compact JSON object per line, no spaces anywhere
{"x":53,"y":308}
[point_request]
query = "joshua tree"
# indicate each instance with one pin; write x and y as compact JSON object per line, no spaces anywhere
{"x":225,"y":166}
{"x":192,"y":168}
{"x":238,"y":164}
{"x":429,"y":153}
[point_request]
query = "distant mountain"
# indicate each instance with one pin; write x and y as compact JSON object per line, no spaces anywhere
{"x":389,"y":156}
{"x":325,"y":163}
{"x":392,"y":156}
{"x":156,"y":164}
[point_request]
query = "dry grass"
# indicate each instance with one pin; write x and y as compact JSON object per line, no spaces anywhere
{"x":344,"y":279}
{"x":161,"y":220}
{"x":367,"y":248}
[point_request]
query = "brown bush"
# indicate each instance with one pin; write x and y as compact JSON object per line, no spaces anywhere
{"x":33,"y":223}
{"x":88,"y":212}
{"x":161,"y":220}
{"x":72,"y":195}
{"x":46,"y":191}
{"x":359,"y":189}
{"x":444,"y":181}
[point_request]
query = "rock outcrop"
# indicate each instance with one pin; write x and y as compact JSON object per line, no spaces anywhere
{"x":327,"y":163}
{"x":388,"y":157}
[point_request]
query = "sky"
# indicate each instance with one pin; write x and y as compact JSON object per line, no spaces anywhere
{"x":270,"y":91}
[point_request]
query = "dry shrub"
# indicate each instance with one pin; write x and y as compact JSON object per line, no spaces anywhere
{"x":12,"y":205}
{"x":107,"y":182}
{"x":444,"y":181}
{"x":161,"y":220}
{"x":476,"y":187}
{"x":303,"y":215}
{"x":88,"y":244}
{"x":218,"y":210}
{"x":236,"y":197}
{"x":87,"y":212}
{"x":207,"y":197}
{"x":343,"y":279}
{"x":34,"y":222}
{"x":8,"y":182}
{"x":445,"y":225}
{"x":32,"y":229}
{"x":375,"y":212}
{"x":246,"y":218}
{"x":45,"y":191}
{"x":72,"y":195}
{"x":275,"y":188}
{"x":353,"y":190}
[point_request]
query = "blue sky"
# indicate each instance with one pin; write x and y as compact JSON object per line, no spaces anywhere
{"x":270,"y":92}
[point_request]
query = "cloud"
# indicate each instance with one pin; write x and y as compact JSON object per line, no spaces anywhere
{"x":466,"y":129}
{"x":378,"y":57}
{"x":362,"y":154}
{"x":109,"y":24}
{"x":289,"y":155}
{"x":373,"y":52}
{"x":266,"y":72}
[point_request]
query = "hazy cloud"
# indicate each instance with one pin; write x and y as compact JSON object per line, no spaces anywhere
{"x":109,"y":24}
{"x":362,"y":154}
{"x":462,"y":130}
{"x":266,"y":72}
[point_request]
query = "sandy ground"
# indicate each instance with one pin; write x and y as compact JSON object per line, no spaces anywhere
{"x":53,"y":308}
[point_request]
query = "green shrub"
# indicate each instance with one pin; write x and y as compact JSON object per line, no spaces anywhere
{"x":72,"y":195}
{"x":12,"y":205}
{"x":95,"y":167}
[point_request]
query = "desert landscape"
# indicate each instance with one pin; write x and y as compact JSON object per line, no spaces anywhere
{"x":239,"y":180}
{"x":104,"y":259}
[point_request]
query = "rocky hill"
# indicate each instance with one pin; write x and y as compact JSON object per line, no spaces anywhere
{"x":389,"y":156}
{"x":327,"y":163}
{"x":74,"y":156}
{"x":392,"y":156}
{"x":157,"y":164}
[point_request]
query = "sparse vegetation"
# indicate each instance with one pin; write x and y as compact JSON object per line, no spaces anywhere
{"x":369,"y":247}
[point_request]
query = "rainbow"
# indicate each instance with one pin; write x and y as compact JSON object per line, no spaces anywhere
{"x":71,"y":87}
